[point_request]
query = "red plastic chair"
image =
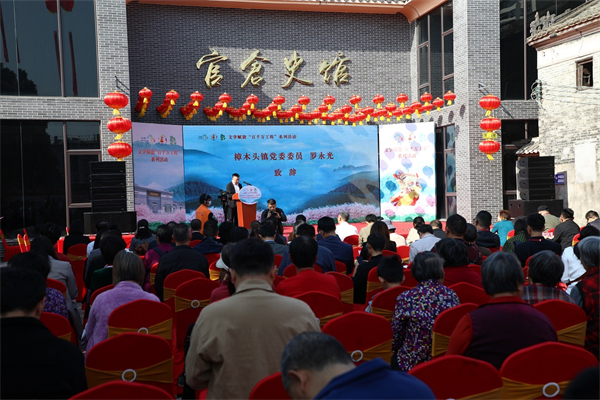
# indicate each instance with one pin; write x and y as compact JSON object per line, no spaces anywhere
{"x":26,"y":240}
{"x":575,"y":239}
{"x":269,"y":388}
{"x":59,"y":326}
{"x":132,"y":357}
{"x":459,"y":377}
{"x":388,"y":253}
{"x":212,"y":269}
{"x":194,"y":243}
{"x":142,"y":316}
{"x":468,"y":293}
{"x":364,"y":336}
{"x":356,"y":252}
{"x":385,"y":302}
{"x":409,"y":280}
{"x":475,"y":268}
{"x":510,"y":234}
{"x":444,"y":325}
{"x":278,"y":279}
{"x":94,"y":295}
{"x":58,"y":285}
{"x":9,"y":251}
{"x":123,"y":391}
{"x":21,"y":241}
{"x":346,"y":285}
{"x":351,"y":240}
{"x":190,"y":298}
{"x":77,"y":255}
{"x":543,"y":370}
{"x":290,"y":270}
{"x":340,"y":267}
{"x":278,"y":259}
{"x":374,"y":285}
{"x":172,"y":282}
{"x":404,"y":253}
{"x":569,"y":320}
{"x":325,"y":306}
{"x":153,"y":269}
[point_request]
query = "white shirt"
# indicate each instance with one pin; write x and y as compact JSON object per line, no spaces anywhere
{"x":399,"y":239}
{"x":90,"y":247}
{"x":236,"y":187}
{"x":413,"y":236}
{"x":426,"y":243}
{"x":344,"y":230}
{"x":573,"y":268}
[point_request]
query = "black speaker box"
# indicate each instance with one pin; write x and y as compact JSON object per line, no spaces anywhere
{"x":107,"y":167}
{"x":125,"y":220}
{"x":526,"y":207}
{"x":535,"y":178}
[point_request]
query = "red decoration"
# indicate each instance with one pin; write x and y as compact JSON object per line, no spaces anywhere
{"x":273,"y":108}
{"x":116,"y":100}
{"x":225,"y":99}
{"x":196,"y":97}
{"x":438,"y":103}
{"x":416,"y":107}
{"x":67,"y":5}
{"x":346,"y":109}
{"x":279,"y":100}
{"x":449,"y":97}
{"x":426,"y":98}
{"x":489,"y":103}
{"x":252,"y":99}
{"x":304,"y":101}
{"x":427,"y":107}
{"x":119,"y":125}
{"x":354,"y":100}
{"x":402,"y":98}
{"x":329,"y":100}
{"x":390,"y":108}
{"x":296,"y":110}
{"x":51,"y":6}
{"x":489,"y":147}
{"x":490,"y":124}
{"x":323,"y":108}
{"x":119,"y":150}
{"x":378,"y":99}
{"x":145,"y":95}
{"x":407,"y":111}
{"x":397,"y":113}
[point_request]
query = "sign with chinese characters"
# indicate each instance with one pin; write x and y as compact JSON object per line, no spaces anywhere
{"x":249,"y":194}
{"x":310,"y":170}
{"x":407,"y":171}
{"x":560,"y":178}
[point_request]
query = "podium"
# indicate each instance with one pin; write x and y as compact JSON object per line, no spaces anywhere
{"x":246,"y":212}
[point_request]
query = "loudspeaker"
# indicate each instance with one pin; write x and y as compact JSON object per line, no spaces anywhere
{"x":107,"y":167}
{"x":526,"y":207}
{"x":535,"y":178}
{"x":125,"y":220}
{"x":108,"y":186}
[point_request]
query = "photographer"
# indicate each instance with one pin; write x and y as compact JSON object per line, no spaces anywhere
{"x":275,"y":214}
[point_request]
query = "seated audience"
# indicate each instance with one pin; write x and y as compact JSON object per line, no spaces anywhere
{"x":223,"y":231}
{"x":545,"y":271}
{"x":593,"y":219}
{"x":303,"y":254}
{"x":316,"y":366}
{"x":370,"y":219}
{"x":267,"y":234}
{"x":163,"y":239}
{"x":413,"y":234}
{"x":417,"y":309}
{"x":470,"y":238}
{"x":394,"y":237}
{"x":550,"y":221}
{"x":196,"y":227}
{"x":254,"y":325}
{"x":485,"y":238}
{"x":180,"y":258}
{"x":203,"y":213}
{"x":456,"y":270}
{"x":227,"y":289}
{"x":344,"y":229}
{"x":586,"y":291}
{"x":520,"y":236}
{"x":341,"y":251}
{"x":279,"y":238}
{"x":75,"y":236}
{"x":390,"y":272}
{"x":55,"y":301}
{"x":436,"y":225}
{"x":573,"y":269}
{"x":506,"y":323}
{"x":210,"y":244}
{"x":456,"y":227}
{"x":102,"y":225}
{"x":380,"y":227}
{"x":109,"y":246}
{"x":503,"y":226}
{"x":143,"y":236}
{"x":375,"y":244}
{"x":566,"y":230}
{"x":325,"y":258}
{"x":35,"y":363}
{"x":127,"y":276}
{"x":254,"y":228}
{"x":426,"y":241}
{"x":536,"y":242}
{"x":53,"y":232}
{"x":237,"y":234}
{"x":586,"y":385}
{"x":293,"y":234}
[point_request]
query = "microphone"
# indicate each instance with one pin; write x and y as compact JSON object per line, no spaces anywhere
{"x":249,"y":184}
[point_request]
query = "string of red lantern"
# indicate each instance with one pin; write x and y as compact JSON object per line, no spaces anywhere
{"x":118,"y":125}
{"x":145,"y":95}
{"x":490,"y":125}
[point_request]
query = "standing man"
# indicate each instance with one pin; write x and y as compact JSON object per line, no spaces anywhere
{"x":232,"y":188}
{"x":567,"y":229}
{"x":275,"y":214}
{"x":550,"y":221}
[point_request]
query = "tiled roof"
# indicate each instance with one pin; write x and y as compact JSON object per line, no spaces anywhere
{"x":585,"y":13}
{"x":532,"y":147}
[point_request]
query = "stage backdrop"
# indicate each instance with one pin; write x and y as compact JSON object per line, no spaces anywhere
{"x":407,"y":171}
{"x":311,"y":170}
{"x":158,"y":173}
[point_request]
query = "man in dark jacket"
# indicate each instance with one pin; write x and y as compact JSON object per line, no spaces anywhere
{"x":485,"y":238}
{"x":536,"y":242}
{"x":567,"y":229}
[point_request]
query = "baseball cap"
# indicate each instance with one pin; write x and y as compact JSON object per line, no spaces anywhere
{"x":221,"y":265}
{"x":543,"y":208}
{"x":389,"y":225}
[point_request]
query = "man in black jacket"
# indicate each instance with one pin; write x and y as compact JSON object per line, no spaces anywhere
{"x":181,"y":257}
{"x":485,"y":238}
{"x":232,"y":188}
{"x":567,"y":229}
{"x":536,"y":242}
{"x":376,"y":244}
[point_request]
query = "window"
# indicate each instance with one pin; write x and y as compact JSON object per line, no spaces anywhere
{"x":49,"y":48}
{"x":585,"y":74}
{"x":446,"y":170}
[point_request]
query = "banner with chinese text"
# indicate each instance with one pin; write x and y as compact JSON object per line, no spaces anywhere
{"x":158,"y":172}
{"x":407,"y":171}
{"x":311,"y":170}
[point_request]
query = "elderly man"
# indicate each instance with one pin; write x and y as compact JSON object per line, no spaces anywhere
{"x":316,"y":366}
{"x":344,"y":229}
{"x":505,"y":324}
{"x":238,"y":341}
{"x":425,"y":243}
{"x":550,"y":221}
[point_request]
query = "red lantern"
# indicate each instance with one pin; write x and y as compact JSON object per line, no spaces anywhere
{"x":323,"y":108}
{"x":119,"y":125}
{"x":279,"y":100}
{"x":337,"y":115}
{"x":390,"y":108}
{"x":490,"y":124}
{"x":489,"y":103}
{"x":426,"y":98}
{"x":225,"y":99}
{"x":354,"y":100}
{"x":172,"y":96}
{"x":116,"y":100}
{"x":296,"y":109}
{"x":416,"y":107}
{"x":304,"y":101}
{"x":368,"y":111}
{"x":51,"y":6}
{"x":407,"y":111}
{"x":146,"y":94}
{"x":252,"y":99}
{"x":378,"y":99}
{"x":438,"y":103}
{"x":353,"y":118}
{"x":273,"y":108}
{"x":427,"y":108}
{"x":346,"y":109}
{"x":489,"y":147}
{"x":67,"y":5}
{"x":449,"y":97}
{"x":119,"y":150}
{"x":402,"y":98}
{"x":397,"y":113}
{"x":196,"y":97}
{"x":329,"y":100}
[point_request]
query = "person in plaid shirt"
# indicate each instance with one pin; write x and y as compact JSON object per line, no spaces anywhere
{"x":545,"y":271}
{"x":588,"y":289}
